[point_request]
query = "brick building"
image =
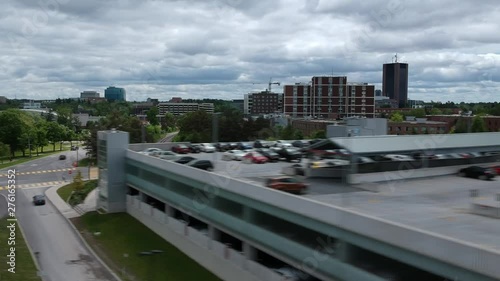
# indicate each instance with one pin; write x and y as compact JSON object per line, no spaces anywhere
{"x":329,"y":97}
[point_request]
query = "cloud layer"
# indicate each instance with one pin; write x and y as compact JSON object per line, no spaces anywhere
{"x":226,"y":48}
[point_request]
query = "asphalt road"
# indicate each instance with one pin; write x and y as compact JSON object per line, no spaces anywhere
{"x":61,"y":254}
{"x":46,"y":169}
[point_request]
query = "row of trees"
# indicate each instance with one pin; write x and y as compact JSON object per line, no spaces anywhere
{"x":21,"y":131}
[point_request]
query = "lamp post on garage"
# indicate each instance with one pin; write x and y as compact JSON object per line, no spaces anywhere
{"x":152,"y":263}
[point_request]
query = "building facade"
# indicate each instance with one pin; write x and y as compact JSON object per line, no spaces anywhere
{"x":417,"y":127}
{"x":85,"y":95}
{"x":329,"y":97}
{"x":492,"y":122}
{"x":395,"y":82}
{"x":115,"y":94}
{"x":179,"y":108}
{"x":263,"y":103}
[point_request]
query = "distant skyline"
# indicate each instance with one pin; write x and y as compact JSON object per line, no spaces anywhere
{"x":224,"y":49}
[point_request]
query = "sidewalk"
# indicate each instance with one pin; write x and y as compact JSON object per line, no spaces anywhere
{"x":89,"y":204}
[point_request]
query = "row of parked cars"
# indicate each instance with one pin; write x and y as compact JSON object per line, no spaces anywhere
{"x":180,"y":158}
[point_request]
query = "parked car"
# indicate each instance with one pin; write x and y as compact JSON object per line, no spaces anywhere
{"x":194,"y":148}
{"x":496,"y":169}
{"x":181,"y":149}
{"x":184,"y":159}
{"x":39,"y":200}
{"x":206,"y":165}
{"x":233,"y":155}
{"x":398,"y":157}
{"x":254,"y":157}
{"x":300,"y":143}
{"x":329,"y":163}
{"x":62,"y":157}
{"x":166,"y":155}
{"x":148,"y":151}
{"x":270,"y":154}
{"x":244,"y":146}
{"x":477,"y":172}
{"x":290,"y":154}
{"x":262,"y":144}
{"x":287,"y":184}
{"x":207,"y":147}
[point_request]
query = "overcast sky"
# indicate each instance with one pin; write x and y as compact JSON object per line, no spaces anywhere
{"x":226,"y":48}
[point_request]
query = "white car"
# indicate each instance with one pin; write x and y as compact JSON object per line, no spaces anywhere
{"x":398,"y":157}
{"x":166,"y":155}
{"x":207,"y":147}
{"x":151,"y":150}
{"x":233,"y":155}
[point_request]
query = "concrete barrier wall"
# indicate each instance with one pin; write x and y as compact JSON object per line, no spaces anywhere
{"x":215,"y":262}
{"x":142,"y":146}
{"x":440,"y":248}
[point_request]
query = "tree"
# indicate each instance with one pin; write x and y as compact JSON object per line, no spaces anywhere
{"x":151,"y":116}
{"x":55,"y":133}
{"x":435,"y":111}
{"x":4,"y":151}
{"x":396,"y":117}
{"x":169,"y":122}
{"x":417,"y":112}
{"x":461,"y":126}
{"x":287,"y":133}
{"x":14,"y":125}
{"x":78,"y":184}
{"x":320,"y":134}
{"x":478,"y":125}
{"x":195,"y":127}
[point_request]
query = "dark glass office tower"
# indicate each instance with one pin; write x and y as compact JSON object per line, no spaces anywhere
{"x":395,"y":82}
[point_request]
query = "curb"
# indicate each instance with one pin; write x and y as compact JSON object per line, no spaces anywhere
{"x":80,"y":237}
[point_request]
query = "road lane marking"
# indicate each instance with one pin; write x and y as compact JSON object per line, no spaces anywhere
{"x":40,"y":172}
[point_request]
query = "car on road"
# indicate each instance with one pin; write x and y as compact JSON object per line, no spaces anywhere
{"x":62,"y":157}
{"x":330,"y":163}
{"x":184,"y":159}
{"x":206,"y":165}
{"x":254,"y":157}
{"x":39,"y":200}
{"x":74,"y":147}
{"x":287,"y":184}
{"x":233,"y":155}
{"x":477,"y":172}
{"x":181,"y":149}
{"x":397,"y":157}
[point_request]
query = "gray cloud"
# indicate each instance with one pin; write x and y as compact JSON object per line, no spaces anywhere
{"x":225,"y":48}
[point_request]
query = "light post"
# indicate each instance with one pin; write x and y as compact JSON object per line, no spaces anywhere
{"x":151,"y":264}
{"x":215,"y":127}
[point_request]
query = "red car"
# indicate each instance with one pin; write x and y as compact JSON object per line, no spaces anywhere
{"x":287,"y":184}
{"x":181,"y":149}
{"x":496,"y":169}
{"x":254,"y":157}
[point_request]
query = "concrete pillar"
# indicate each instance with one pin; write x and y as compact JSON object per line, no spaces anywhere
{"x":248,"y":214}
{"x":143,"y":196}
{"x":213,"y":232}
{"x":169,"y":210}
{"x":346,"y":252}
{"x":249,"y":251}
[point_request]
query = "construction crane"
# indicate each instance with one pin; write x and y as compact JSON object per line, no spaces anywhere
{"x":270,"y":84}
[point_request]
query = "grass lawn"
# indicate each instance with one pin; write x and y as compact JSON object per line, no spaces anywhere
{"x":78,"y":197}
{"x":85,"y":162}
{"x":25,"y":267}
{"x":122,"y":235}
{"x":19,"y":159}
